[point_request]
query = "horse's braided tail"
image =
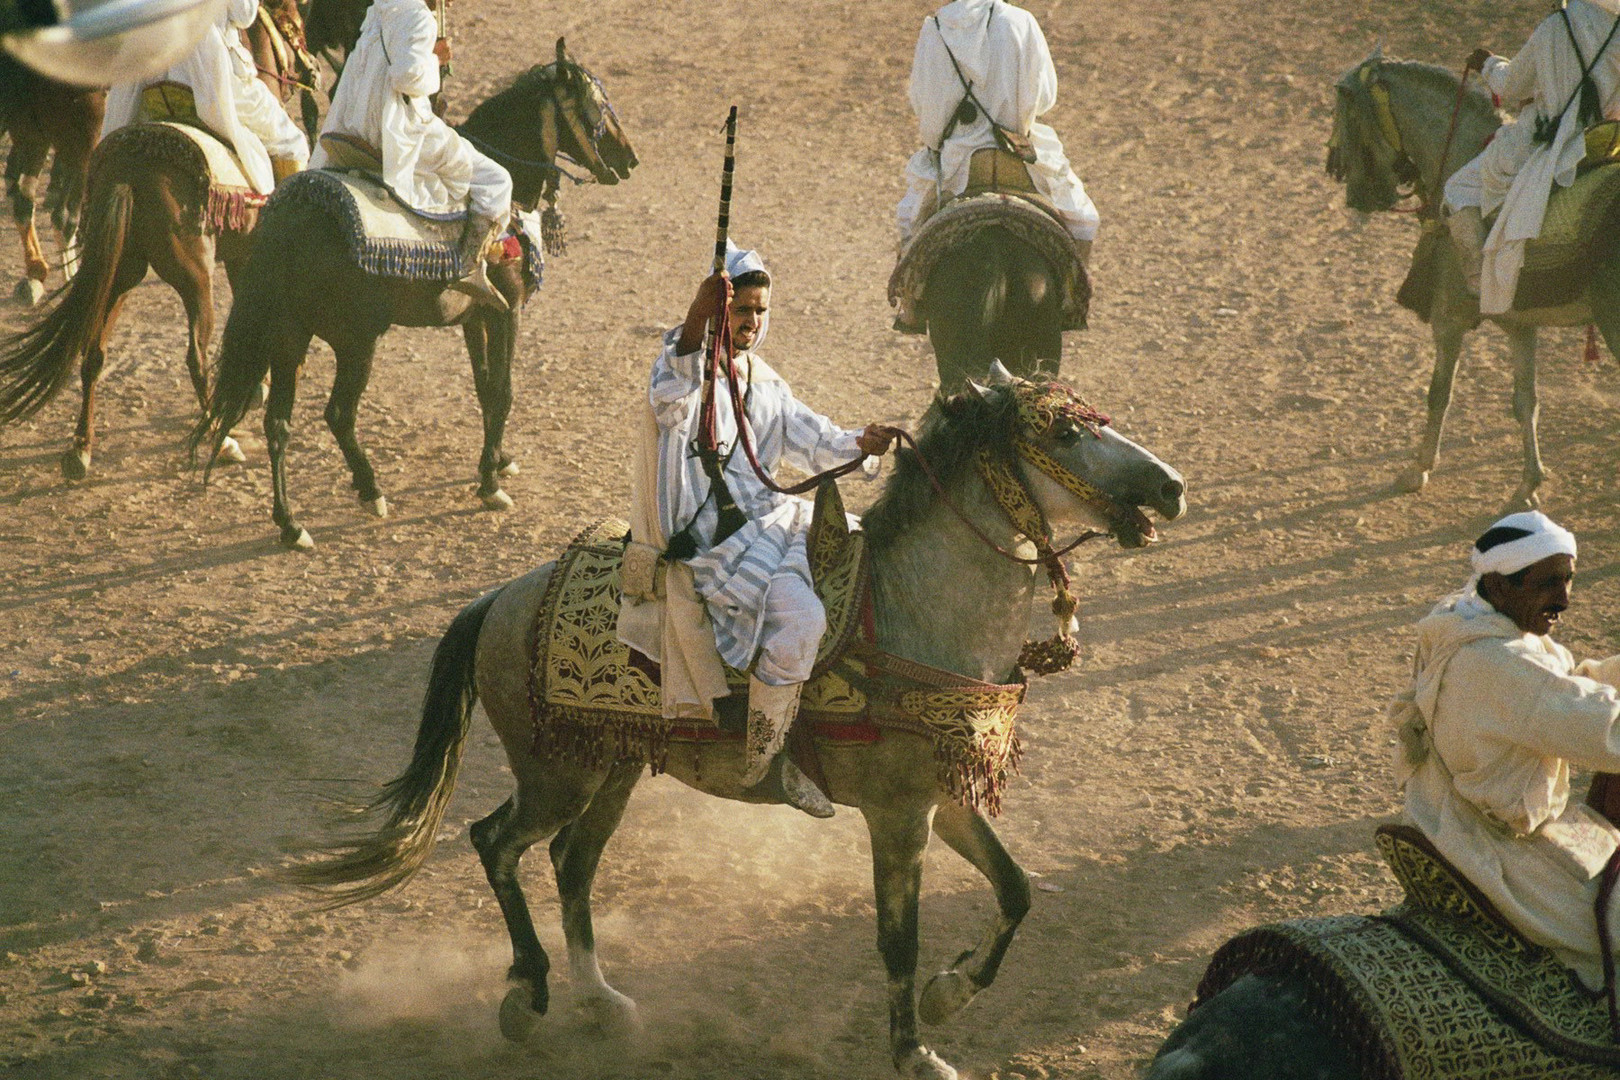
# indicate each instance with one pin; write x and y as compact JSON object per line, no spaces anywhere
{"x":412,"y":805}
{"x":246,"y":347}
{"x":36,"y":363}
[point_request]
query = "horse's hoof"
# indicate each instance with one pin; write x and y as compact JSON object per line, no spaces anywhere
{"x":1412,"y":480}
{"x":923,"y":1064}
{"x":75,"y":463}
{"x":231,"y":451}
{"x":518,"y":1017}
{"x":509,"y":469}
{"x":615,"y":1014}
{"x":377,"y":506}
{"x":497,"y":500}
{"x":30,"y":291}
{"x":945,"y":995}
{"x":297,"y":538}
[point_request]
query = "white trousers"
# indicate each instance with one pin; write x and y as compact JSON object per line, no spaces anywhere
{"x":451,"y":157}
{"x":790,"y":629}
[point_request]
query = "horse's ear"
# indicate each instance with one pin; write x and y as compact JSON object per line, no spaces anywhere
{"x":562,"y":50}
{"x":976,"y":390}
{"x":1000,"y":376}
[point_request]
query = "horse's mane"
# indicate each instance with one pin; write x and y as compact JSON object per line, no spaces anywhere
{"x":1440,"y":81}
{"x":952,"y":432}
{"x":522,"y":86}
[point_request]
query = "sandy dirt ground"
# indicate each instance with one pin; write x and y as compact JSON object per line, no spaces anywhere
{"x":181,"y":701}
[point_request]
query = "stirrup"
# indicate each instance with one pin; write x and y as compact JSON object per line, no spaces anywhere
{"x":477,"y":285}
{"x":801,"y":793}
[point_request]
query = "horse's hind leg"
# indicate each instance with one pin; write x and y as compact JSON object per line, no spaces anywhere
{"x":971,"y":837}
{"x":76,"y":458}
{"x":24,"y":165}
{"x":575,"y":853}
{"x":1448,"y":338}
{"x":899,"y":837}
{"x":1526,"y":410}
{"x":354,"y":357}
{"x":540,"y":807}
{"x":287,"y":359}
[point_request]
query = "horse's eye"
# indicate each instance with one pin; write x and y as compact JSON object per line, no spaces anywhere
{"x":1066,"y":432}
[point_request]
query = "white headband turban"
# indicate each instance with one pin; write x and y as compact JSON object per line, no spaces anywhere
{"x":1546,"y":538}
{"x":740,"y":262}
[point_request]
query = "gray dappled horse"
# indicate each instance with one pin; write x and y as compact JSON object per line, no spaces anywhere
{"x":302,"y":282}
{"x":940,"y":596}
{"x":1378,"y":154}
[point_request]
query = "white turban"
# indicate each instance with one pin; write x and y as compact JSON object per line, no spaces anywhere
{"x":738,"y":263}
{"x":1547,"y":538}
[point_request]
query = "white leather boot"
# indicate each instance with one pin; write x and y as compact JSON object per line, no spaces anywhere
{"x":476,"y":239}
{"x":771,"y":711}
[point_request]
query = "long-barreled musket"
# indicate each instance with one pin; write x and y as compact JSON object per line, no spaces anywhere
{"x":719,"y":337}
{"x":441,"y":11}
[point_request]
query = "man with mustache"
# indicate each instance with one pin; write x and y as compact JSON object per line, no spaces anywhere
{"x":1494,"y":718}
{"x":722,"y":534}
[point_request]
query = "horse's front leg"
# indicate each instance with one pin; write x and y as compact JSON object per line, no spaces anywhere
{"x":1526,"y":410}
{"x":491,"y":339}
{"x":971,"y":837}
{"x":1448,"y":336}
{"x":899,"y":837}
{"x":23,"y":168}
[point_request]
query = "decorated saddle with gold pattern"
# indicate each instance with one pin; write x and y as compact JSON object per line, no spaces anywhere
{"x":1439,"y":986}
{"x":595,"y":702}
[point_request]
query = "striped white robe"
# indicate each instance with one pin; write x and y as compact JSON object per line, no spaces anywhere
{"x":733,"y":577}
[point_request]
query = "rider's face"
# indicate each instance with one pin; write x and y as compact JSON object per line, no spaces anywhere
{"x":748,"y":307}
{"x":1538,"y":598}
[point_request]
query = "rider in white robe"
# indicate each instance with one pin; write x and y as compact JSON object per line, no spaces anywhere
{"x":231,"y":101}
{"x":382,"y":100}
{"x":1514,"y":173}
{"x":755,"y":584}
{"x":1003,"y":54}
{"x":1493,"y":720}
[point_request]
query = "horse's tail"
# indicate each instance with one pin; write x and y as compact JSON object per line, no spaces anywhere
{"x":36,"y":363}
{"x":414,"y":802}
{"x":247,"y":346}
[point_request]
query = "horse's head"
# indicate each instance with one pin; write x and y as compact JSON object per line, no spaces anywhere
{"x":588,"y":128}
{"x":1365,"y":151}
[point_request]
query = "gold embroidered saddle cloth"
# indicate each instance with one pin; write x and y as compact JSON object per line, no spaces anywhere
{"x":1439,"y":986}
{"x":386,"y":237}
{"x":1022,"y":213}
{"x":1579,"y":234}
{"x":595,"y":703}
{"x":228,"y":201}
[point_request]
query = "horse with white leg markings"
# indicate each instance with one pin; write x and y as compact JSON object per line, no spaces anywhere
{"x":1401,"y":128}
{"x":928,"y":682}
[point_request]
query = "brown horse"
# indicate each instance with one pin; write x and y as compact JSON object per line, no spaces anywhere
{"x":280,"y":52}
{"x":940,"y":597}
{"x":303,"y":281}
{"x":42,"y":115}
{"x":147,"y":209}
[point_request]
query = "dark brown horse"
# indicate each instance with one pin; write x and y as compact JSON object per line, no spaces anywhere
{"x":43,"y":115}
{"x":277,"y":41}
{"x":303,"y":281}
{"x":147,"y":208}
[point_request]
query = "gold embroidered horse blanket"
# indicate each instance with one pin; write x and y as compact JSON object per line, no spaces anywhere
{"x":961,"y":220}
{"x":227,"y":203}
{"x":1438,"y":987}
{"x":595,"y":702}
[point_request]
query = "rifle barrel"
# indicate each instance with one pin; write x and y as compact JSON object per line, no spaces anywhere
{"x":724,"y":225}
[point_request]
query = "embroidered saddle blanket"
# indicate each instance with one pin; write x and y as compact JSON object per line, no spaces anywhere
{"x":1580,"y":232}
{"x":1438,"y":986}
{"x":595,"y":703}
{"x":228,"y":202}
{"x":385,"y":237}
{"x":959,"y":221}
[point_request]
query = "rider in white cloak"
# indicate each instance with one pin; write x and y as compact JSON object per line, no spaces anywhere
{"x":1515,"y":173}
{"x":231,"y":101}
{"x":382,"y":100}
{"x":1002,"y":54}
{"x":754,"y":584}
{"x":1495,"y":716}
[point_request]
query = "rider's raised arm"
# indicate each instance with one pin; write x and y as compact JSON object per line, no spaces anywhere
{"x":413,"y":69}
